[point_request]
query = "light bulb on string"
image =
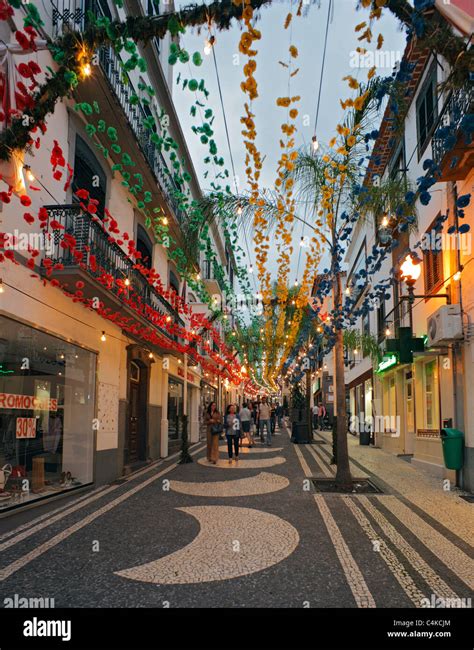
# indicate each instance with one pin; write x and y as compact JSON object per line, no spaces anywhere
{"x":103,"y":338}
{"x":315,"y":143}
{"x":86,"y":69}
{"x":28,"y":173}
{"x":2,"y":288}
{"x":250,"y":269}
{"x":208,"y":45}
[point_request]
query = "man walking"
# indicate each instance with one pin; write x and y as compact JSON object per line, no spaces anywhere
{"x":264,"y":419}
{"x":321,"y":415}
{"x":279,"y":414}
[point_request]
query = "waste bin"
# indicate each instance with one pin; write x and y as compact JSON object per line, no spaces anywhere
{"x":453,"y":444}
{"x":300,"y":434}
{"x":364,"y":436}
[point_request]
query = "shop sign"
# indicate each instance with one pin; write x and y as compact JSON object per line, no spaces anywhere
{"x":189,"y":375}
{"x":26,"y":427}
{"x":11,"y":401}
{"x":387,"y":362}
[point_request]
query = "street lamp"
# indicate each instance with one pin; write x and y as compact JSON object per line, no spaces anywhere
{"x":410,"y":272}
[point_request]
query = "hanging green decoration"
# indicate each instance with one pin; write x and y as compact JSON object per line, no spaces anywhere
{"x":197,"y":58}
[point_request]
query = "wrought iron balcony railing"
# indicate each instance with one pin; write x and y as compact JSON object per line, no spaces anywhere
{"x":93,"y":240}
{"x":75,"y":14}
{"x":459,"y":104}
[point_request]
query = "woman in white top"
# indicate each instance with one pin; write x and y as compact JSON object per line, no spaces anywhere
{"x":246,"y":421}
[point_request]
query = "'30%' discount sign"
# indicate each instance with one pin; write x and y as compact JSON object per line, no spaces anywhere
{"x":26,"y":427}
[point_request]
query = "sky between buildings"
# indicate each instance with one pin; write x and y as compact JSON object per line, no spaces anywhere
{"x":307,"y":34}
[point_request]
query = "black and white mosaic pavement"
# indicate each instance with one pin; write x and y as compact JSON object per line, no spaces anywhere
{"x":199,"y":535}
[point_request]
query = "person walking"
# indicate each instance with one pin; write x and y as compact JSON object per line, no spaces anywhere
{"x":321,"y":415}
{"x":246,"y":421}
{"x":315,"y":416}
{"x":279,"y":414}
{"x":232,"y":432}
{"x":273,"y":418}
{"x":214,"y":427}
{"x":254,"y":418}
{"x":264,"y":420}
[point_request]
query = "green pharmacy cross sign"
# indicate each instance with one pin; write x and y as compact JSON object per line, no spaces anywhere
{"x":387,"y":362}
{"x":404,"y":345}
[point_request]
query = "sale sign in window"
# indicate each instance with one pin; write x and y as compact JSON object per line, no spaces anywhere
{"x":26,"y":427}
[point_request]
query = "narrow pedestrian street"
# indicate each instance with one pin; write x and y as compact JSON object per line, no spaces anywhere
{"x":247,"y":534}
{"x":236,"y":227}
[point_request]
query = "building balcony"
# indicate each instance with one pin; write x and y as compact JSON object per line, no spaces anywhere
{"x":451,"y":151}
{"x":74,"y":14}
{"x":103,"y":269}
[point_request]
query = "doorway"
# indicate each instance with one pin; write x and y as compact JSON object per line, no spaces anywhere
{"x":137,"y":413}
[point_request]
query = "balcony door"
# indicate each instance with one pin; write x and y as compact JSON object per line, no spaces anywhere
{"x":89,"y":175}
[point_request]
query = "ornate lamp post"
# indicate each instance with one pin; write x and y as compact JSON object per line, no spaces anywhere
{"x":410,"y":272}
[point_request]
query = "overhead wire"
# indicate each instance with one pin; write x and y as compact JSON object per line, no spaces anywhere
{"x":230,"y":150}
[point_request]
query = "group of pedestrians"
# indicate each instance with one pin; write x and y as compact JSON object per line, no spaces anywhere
{"x":252,"y":418}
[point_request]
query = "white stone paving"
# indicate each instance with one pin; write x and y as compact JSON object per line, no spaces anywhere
{"x":229,"y":545}
{"x":244,"y":463}
{"x":263,"y":483}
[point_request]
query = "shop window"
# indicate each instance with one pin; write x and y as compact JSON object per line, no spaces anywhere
{"x":431,"y":395}
{"x":89,"y":175}
{"x":426,"y":110}
{"x":175,"y":409}
{"x":47,"y":404}
{"x":432,"y":265}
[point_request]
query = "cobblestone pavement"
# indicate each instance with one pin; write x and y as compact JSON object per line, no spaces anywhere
{"x":200,"y":535}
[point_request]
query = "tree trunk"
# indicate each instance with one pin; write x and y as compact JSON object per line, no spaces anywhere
{"x":343,"y":474}
{"x":309,"y":418}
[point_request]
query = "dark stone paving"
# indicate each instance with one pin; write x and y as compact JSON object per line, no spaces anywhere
{"x":148,"y":525}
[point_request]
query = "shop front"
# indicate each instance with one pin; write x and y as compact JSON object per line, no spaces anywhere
{"x":361,"y":412}
{"x":47,"y":411}
{"x":409,"y":421}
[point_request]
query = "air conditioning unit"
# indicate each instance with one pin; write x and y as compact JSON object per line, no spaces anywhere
{"x":445,"y":325}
